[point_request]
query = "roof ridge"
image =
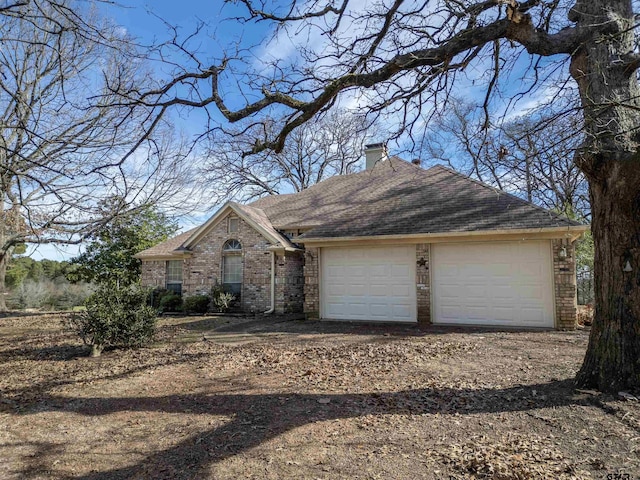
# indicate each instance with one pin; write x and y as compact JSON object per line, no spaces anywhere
{"x":499,"y":191}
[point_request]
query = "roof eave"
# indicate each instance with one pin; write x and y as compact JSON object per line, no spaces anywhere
{"x":572,"y":232}
{"x":164,"y":256}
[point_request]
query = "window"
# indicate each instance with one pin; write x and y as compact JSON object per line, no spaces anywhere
{"x":232,"y":246}
{"x":234,"y":224}
{"x":174,"y":276}
{"x":232,"y":266}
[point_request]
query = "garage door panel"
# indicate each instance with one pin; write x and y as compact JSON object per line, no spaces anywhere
{"x":531,"y":293}
{"x":357,"y":308}
{"x":373,"y":283}
{"x":501,"y":292}
{"x":401,"y":291}
{"x":378,"y":309}
{"x":501,"y":269}
{"x":356,"y":289}
{"x":401,"y":271}
{"x":378,"y":271}
{"x":531,"y":272}
{"x":503,"y":314}
{"x":533,"y":315}
{"x":378,"y":290}
{"x":333,"y":308}
{"x":476,"y":291}
{"x":477,"y":313}
{"x":452,"y":312}
{"x":335,"y":290}
{"x":402,"y":312}
{"x":450,"y":291}
{"x":334,"y":271}
{"x":504,"y":283}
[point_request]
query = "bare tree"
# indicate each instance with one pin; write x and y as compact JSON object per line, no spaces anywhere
{"x":331,"y":145}
{"x":66,"y":140}
{"x":531,"y":155}
{"x":406,"y":56}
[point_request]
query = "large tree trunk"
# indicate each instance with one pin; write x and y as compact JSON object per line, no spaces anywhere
{"x":610,"y":99}
{"x":612,"y":361}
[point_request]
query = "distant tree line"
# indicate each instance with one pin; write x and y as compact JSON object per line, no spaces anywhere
{"x":23,"y":269}
{"x":43,"y":284}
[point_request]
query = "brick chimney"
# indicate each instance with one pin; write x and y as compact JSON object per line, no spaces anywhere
{"x":374,"y":153}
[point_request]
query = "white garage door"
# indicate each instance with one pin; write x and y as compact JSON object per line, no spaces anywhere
{"x":368,"y":283}
{"x":502,"y":283}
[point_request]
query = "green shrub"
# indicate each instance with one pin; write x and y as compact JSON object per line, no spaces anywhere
{"x":115,"y":316}
{"x":171,"y":303}
{"x":157,"y":294}
{"x":220,"y":298}
{"x":196,"y":304}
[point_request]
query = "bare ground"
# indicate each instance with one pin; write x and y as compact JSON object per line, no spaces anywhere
{"x":275,"y":398}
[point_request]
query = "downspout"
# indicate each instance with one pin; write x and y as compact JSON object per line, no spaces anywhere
{"x":273,"y":284}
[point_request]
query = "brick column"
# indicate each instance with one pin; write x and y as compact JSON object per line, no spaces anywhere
{"x":564,"y":275}
{"x":311,"y":283}
{"x":289,"y":282}
{"x":423,"y":285}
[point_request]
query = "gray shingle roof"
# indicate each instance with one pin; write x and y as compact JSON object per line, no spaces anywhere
{"x":397,"y":198}
{"x":394,"y":198}
{"x":168,"y":247}
{"x":258,"y":216}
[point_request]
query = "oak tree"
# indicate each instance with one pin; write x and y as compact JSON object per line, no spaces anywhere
{"x":66,"y":139}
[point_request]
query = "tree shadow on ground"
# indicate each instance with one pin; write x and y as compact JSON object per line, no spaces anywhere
{"x":12,"y":399}
{"x":256,"y":419}
{"x":307,"y":327}
{"x":52,"y":353}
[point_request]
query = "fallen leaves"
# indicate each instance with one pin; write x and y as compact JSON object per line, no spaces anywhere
{"x":511,"y":458}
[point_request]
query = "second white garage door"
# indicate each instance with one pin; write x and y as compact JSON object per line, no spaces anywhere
{"x":369,"y":283}
{"x":502,"y":283}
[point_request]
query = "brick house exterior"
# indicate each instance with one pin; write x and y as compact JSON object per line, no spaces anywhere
{"x":280,"y":243}
{"x":202,"y":268}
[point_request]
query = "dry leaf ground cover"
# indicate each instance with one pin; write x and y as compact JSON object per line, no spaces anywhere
{"x":277,"y":398}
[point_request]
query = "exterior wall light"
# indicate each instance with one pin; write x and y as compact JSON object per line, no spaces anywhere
{"x":562,"y":253}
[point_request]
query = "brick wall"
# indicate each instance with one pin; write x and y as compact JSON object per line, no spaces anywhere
{"x":564,"y":274}
{"x":289,"y":282}
{"x":153,"y":273}
{"x":311,"y":283}
{"x":204,"y":268}
{"x":423,"y":284}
